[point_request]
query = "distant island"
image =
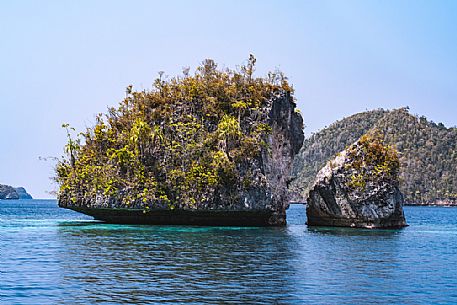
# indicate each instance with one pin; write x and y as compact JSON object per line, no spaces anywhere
{"x":427,"y":152}
{"x":9,"y":192}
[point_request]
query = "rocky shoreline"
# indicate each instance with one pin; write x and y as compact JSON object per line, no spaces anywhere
{"x":433,"y":204}
{"x":438,"y":204}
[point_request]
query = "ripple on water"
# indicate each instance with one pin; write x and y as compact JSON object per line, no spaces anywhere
{"x":51,"y":255}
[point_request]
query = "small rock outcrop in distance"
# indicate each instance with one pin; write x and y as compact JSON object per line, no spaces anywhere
{"x":22,"y":193}
{"x":213,"y":148}
{"x":9,"y":192}
{"x":358,"y":188}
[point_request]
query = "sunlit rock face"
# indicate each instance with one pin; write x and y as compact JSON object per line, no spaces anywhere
{"x":358,"y":188}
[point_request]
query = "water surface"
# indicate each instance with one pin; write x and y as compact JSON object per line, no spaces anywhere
{"x":55,"y":256}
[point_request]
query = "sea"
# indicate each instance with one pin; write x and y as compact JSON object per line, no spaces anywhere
{"x":50,"y":255}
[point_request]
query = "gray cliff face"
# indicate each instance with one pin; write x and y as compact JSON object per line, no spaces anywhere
{"x":263,"y":203}
{"x":332,"y":203}
{"x":285,"y":142}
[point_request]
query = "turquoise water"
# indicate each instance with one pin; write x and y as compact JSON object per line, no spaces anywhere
{"x":54,"y":256}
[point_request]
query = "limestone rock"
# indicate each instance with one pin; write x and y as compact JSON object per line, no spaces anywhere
{"x":358,"y":188}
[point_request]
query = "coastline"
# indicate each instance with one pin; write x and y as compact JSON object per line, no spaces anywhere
{"x":428,"y":204}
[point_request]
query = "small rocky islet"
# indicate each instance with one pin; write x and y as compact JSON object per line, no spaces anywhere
{"x":359,"y":188}
{"x":212,"y":148}
{"x":9,"y":192}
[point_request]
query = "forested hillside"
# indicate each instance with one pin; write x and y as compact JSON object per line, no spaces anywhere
{"x":428,"y":153}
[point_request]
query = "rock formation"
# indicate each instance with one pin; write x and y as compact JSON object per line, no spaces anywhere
{"x":9,"y":192}
{"x":22,"y":193}
{"x":214,"y":148}
{"x":358,"y":188}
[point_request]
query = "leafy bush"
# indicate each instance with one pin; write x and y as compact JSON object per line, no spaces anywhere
{"x":177,"y":144}
{"x":371,"y":162}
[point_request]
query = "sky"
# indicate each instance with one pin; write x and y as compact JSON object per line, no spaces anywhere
{"x":66,"y":61}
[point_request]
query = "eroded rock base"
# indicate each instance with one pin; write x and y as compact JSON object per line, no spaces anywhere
{"x":393,"y":223}
{"x":185,"y":217}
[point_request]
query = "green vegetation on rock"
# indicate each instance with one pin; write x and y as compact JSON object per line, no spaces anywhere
{"x":178,"y":145}
{"x":370,"y":162}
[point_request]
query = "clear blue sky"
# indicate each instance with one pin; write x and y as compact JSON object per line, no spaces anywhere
{"x":65,"y":61}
